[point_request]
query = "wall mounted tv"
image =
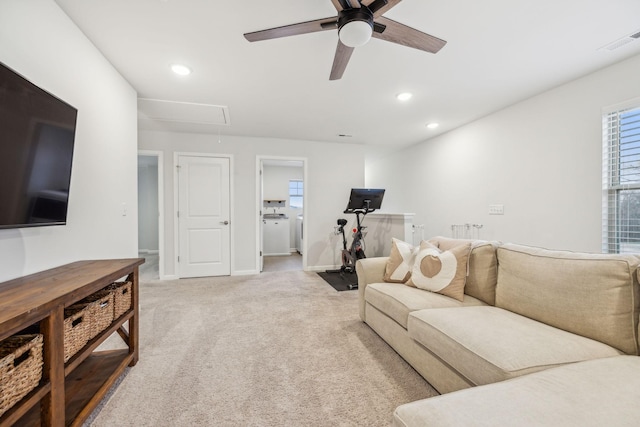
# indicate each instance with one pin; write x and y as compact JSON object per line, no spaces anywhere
{"x":37,"y":132}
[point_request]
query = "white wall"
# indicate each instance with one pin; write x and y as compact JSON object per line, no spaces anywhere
{"x":541,"y":158}
{"x":275,"y":186}
{"x":40,"y":42}
{"x":332,"y":170}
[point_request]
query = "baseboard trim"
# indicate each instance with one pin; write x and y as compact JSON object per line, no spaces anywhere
{"x":320,"y":268}
{"x":244,"y":272}
{"x":148,"y":251}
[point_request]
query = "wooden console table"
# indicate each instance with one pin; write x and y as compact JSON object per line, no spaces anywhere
{"x":68,"y":392}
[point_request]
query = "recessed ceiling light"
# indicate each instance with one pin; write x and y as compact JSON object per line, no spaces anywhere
{"x":404,"y":96}
{"x":433,"y":125}
{"x":180,"y":69}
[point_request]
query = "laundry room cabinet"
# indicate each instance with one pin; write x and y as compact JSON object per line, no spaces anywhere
{"x":276,"y":236}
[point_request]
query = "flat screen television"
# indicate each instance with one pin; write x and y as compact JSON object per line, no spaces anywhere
{"x":37,"y":134}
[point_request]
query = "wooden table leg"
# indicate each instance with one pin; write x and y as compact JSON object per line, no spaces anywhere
{"x":53,"y":406}
{"x":133,"y":322}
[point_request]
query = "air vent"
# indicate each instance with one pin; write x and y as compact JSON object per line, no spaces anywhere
{"x":621,"y":42}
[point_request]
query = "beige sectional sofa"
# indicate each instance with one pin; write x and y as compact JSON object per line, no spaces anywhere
{"x":524,"y":310}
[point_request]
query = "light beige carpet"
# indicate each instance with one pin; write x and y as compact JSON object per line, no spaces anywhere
{"x":275,"y":349}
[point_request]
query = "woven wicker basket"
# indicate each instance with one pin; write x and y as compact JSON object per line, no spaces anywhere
{"x":122,"y":298}
{"x":99,"y":308}
{"x":86,"y":319}
{"x":77,"y":330}
{"x":20,"y":368}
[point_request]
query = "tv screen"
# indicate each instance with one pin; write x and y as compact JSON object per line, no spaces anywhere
{"x":368,"y":199}
{"x":37,"y":132}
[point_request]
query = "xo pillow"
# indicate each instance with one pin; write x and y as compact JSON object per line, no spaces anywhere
{"x":400,"y":262}
{"x":442,"y":272}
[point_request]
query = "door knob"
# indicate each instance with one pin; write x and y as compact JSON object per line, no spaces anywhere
{"x":224,"y":222}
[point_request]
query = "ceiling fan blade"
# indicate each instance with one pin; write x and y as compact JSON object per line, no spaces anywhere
{"x":407,"y":36}
{"x":354,"y":3}
{"x":343,"y":53}
{"x":293,"y":29}
{"x":380,"y":7}
{"x":337,"y":4}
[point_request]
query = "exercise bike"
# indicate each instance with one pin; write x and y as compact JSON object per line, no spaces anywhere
{"x":355,"y":251}
{"x":361,"y":202}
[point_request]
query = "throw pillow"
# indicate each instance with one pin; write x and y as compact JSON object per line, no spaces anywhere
{"x":400,"y":262}
{"x":444,"y":272}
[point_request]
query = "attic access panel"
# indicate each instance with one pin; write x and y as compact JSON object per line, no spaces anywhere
{"x":183,"y":112}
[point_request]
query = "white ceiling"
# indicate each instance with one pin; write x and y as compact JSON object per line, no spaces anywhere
{"x":498,"y":52}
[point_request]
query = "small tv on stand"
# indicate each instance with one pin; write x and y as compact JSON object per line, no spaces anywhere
{"x":364,"y":200}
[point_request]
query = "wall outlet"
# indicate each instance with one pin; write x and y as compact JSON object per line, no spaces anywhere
{"x":496,"y":209}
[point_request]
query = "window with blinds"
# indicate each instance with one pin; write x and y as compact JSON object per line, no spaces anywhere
{"x":296,"y":193}
{"x":621,"y":180}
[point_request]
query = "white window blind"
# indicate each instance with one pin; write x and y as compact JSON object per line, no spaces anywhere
{"x":621,"y":181}
{"x":296,"y":192}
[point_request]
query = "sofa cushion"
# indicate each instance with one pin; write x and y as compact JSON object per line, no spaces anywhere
{"x":400,"y":261}
{"x":483,"y":266}
{"x":603,"y":392}
{"x":444,"y":272}
{"x":594,"y":295}
{"x":397,"y":300}
{"x":488,"y":344}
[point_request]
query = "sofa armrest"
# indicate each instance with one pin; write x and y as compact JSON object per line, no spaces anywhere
{"x":369,"y":270}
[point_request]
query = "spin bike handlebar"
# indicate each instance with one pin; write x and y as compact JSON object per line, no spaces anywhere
{"x":362,"y":211}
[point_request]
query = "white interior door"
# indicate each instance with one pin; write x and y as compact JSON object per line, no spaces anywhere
{"x":203,"y":216}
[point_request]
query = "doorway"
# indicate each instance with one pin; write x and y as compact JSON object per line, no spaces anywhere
{"x":150,"y":214}
{"x":281,"y":211}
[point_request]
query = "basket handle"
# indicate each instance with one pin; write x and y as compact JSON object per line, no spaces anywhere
{"x":77,"y":321}
{"x":17,"y":361}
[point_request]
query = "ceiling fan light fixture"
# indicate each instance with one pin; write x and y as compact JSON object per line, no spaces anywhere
{"x":355,"y":33}
{"x":432,"y":125}
{"x":404,"y":96}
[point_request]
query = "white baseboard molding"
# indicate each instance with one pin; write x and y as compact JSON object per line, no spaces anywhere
{"x":169,"y":277}
{"x":244,"y":272}
{"x":148,"y":251}
{"x":321,"y":268}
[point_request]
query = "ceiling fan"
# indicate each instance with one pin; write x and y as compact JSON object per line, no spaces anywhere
{"x":357,"y":22}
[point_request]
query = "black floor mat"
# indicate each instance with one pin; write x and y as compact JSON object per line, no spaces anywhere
{"x":340,"y":281}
